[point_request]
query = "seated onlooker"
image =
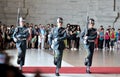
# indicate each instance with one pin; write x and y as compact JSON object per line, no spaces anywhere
{"x":7,"y":70}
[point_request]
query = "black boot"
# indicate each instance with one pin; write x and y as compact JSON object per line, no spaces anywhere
{"x":57,"y":74}
{"x":88,"y":69}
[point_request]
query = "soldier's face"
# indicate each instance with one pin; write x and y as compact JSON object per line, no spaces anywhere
{"x":22,"y":23}
{"x":59,"y":24}
{"x":90,"y":25}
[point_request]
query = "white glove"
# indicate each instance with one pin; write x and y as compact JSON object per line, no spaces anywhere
{"x":15,"y":40}
{"x":85,"y":37}
{"x":49,"y":35}
{"x":55,"y":39}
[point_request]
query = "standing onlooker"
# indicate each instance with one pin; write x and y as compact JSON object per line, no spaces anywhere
{"x":7,"y":39}
{"x":1,"y":39}
{"x":68,"y":38}
{"x":118,"y":38}
{"x":49,"y":34}
{"x":112,"y":37}
{"x":36,"y":35}
{"x":39,"y":37}
{"x":43,"y":33}
{"x":29,"y":45}
{"x":101,"y":38}
{"x":47,"y":30}
{"x":73,"y":34}
{"x":12,"y":29}
{"x":107,"y":39}
{"x":109,"y":29}
{"x":96,"y":40}
{"x":77,"y":41}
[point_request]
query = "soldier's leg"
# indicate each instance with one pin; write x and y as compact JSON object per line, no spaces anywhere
{"x":19,"y":54}
{"x":58,"y":60}
{"x":23,"y":48}
{"x":91,"y":53}
{"x":88,"y":53}
{"x":88,"y":59}
{"x":55,"y":57}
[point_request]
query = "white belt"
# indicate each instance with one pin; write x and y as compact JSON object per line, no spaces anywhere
{"x":91,"y":40}
{"x":22,"y":39}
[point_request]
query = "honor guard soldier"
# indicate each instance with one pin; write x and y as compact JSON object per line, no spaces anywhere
{"x":20,"y":35}
{"x":57,"y":37}
{"x":89,"y":37}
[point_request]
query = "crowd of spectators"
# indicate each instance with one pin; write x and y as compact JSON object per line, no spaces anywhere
{"x":39,"y":36}
{"x":107,"y":38}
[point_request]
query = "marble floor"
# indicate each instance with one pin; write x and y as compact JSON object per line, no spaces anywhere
{"x":38,"y":57}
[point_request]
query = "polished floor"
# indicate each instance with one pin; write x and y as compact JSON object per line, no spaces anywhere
{"x":38,"y":57}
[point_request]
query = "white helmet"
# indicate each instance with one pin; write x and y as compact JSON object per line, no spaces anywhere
{"x":21,"y":19}
{"x":60,"y":20}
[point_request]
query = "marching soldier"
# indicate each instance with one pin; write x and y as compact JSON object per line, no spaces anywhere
{"x":57,"y":43}
{"x":20,"y":34}
{"x":89,"y":37}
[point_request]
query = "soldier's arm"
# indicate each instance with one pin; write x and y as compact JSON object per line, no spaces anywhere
{"x":50,"y":38}
{"x":15,"y":33}
{"x":17,"y":36}
{"x":64,"y":36}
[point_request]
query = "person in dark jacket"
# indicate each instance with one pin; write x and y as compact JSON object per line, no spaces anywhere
{"x":20,"y":36}
{"x":89,"y":36}
{"x":57,"y":43}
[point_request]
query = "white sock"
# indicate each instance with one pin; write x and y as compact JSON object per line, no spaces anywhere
{"x":88,"y":67}
{"x":57,"y":70}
